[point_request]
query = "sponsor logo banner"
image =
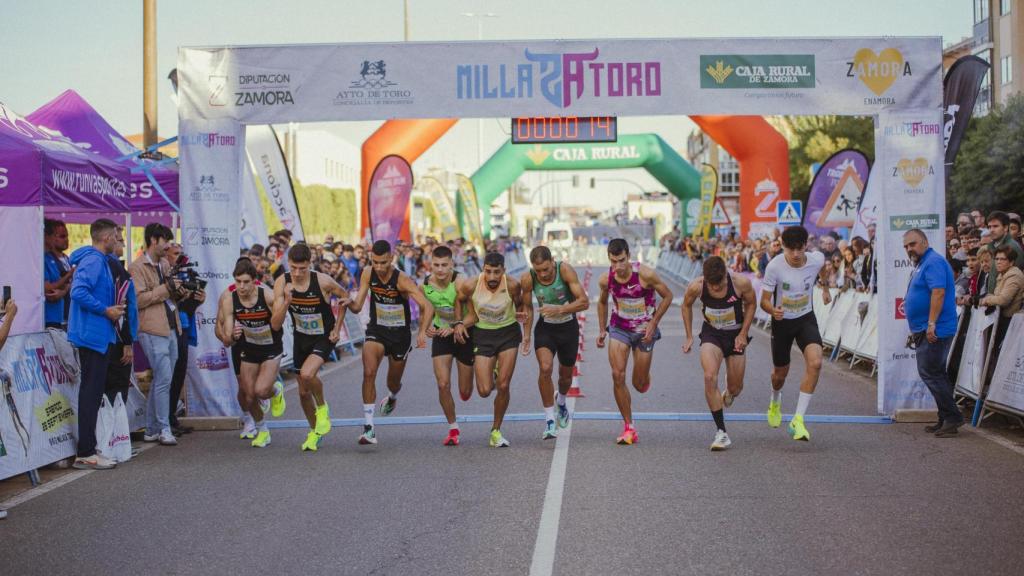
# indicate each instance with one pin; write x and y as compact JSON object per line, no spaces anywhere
{"x":878,"y":71}
{"x":910,"y":221}
{"x":757,"y":71}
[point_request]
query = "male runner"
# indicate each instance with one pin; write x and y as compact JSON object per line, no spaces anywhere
{"x":441,"y":289}
{"x":248,"y":424}
{"x":388,"y":333}
{"x":633,"y":326}
{"x":245,"y":321}
{"x":788,"y":296}
{"x":305,"y":294}
{"x":494,"y":298}
{"x":729,"y":304}
{"x":559,"y":296}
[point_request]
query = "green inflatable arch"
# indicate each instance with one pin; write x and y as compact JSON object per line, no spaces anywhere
{"x":647,"y":151}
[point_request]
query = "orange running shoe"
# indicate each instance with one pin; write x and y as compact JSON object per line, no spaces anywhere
{"x":453,"y":437}
{"x":628,"y":437}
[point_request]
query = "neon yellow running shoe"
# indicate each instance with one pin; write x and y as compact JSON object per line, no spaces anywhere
{"x":774,"y":414}
{"x":323,"y":419}
{"x":497,"y":440}
{"x":312,"y":441}
{"x":262,"y":439}
{"x":277,"y":403}
{"x":798,"y":430}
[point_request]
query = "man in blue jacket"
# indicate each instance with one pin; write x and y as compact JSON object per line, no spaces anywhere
{"x":91,"y":329}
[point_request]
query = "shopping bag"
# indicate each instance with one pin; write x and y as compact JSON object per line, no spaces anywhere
{"x":136,"y":406}
{"x":105,"y":422}
{"x":120,"y":439}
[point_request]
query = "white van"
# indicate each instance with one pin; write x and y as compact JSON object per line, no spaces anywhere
{"x":558,"y":238}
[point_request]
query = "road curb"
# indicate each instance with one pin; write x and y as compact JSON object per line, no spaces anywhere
{"x":914,"y":416}
{"x":210,"y":423}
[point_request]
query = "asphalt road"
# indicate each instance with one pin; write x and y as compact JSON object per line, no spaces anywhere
{"x":857,"y":499}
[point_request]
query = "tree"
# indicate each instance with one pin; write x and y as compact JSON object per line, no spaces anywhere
{"x":323,"y":211}
{"x":812,"y":139}
{"x":988,"y":172}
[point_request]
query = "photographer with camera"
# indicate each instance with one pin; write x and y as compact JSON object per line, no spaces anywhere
{"x":184,"y":271}
{"x":158,"y":292}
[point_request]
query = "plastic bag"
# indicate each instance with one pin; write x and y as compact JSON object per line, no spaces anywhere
{"x":120,"y":439}
{"x":105,"y":423}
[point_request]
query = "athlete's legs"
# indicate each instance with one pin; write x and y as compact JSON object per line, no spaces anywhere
{"x":779,"y":374}
{"x":564,"y":379}
{"x":711,"y":362}
{"x":311,"y":389}
{"x":642,"y":369}
{"x":484,"y":368}
{"x":735,"y":369}
{"x":465,"y":379}
{"x":395,"y":370}
{"x":618,"y":358}
{"x":812,"y":361}
{"x":246,"y":394}
{"x":508,"y":366}
{"x":373,"y":353}
{"x":443,"y":374}
{"x":265,"y":378}
{"x":545,"y":362}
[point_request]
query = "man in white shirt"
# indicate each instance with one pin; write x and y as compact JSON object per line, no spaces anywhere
{"x":789,"y":297}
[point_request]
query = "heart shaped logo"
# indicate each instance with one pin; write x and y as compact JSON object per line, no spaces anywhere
{"x":913,"y":171}
{"x":878,"y":71}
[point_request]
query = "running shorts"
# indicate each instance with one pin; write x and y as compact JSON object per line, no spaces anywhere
{"x":447,"y":346}
{"x":804,"y":330}
{"x":492,"y":342}
{"x":397,"y":342}
{"x":562,"y":339}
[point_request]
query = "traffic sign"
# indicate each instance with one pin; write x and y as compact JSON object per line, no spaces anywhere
{"x":789,"y":212}
{"x":719,"y":217}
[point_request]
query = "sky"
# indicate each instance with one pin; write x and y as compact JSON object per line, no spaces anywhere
{"x":95,"y":46}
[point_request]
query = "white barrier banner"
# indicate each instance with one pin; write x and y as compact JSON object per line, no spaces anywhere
{"x":38,"y":423}
{"x":909,"y":169}
{"x":1007,"y":386}
{"x":212,"y":162}
{"x":23,"y":226}
{"x":264,"y":149}
{"x":972,"y":360}
{"x":253,"y":228}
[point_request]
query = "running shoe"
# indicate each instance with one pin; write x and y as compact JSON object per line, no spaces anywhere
{"x":727,"y":398}
{"x":323,"y":419}
{"x":563,"y":415}
{"x":797,"y":429}
{"x":550,"y":432}
{"x":497,"y":440}
{"x":774,"y":414}
{"x":264,"y":405}
{"x":249,"y":432}
{"x":312,"y":441}
{"x":453,"y":437}
{"x":387,"y":405}
{"x":721,"y":441}
{"x":368,"y":436}
{"x":262,"y":439}
{"x":277,"y":403}
{"x":628,"y":437}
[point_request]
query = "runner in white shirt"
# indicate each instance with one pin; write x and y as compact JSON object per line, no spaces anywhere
{"x":789,"y":281}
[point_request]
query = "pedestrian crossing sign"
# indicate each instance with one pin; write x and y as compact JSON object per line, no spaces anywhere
{"x":789,"y":212}
{"x":719,"y":217}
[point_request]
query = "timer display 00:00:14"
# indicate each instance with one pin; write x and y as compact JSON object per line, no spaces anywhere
{"x":564,"y":129}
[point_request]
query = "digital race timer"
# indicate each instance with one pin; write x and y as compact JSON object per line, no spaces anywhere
{"x":564,"y":129}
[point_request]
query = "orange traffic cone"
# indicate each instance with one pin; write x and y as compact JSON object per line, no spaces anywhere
{"x":574,"y":390}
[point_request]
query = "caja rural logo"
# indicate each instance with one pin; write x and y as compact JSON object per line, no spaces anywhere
{"x":757,"y":71}
{"x":878,"y":71}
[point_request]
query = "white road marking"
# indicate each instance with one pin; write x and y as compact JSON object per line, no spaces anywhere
{"x":547,"y":532}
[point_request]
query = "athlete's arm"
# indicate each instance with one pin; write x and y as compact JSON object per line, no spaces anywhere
{"x":329,"y":286}
{"x":407,"y":287}
{"x":655,"y":281}
{"x":224,"y":328}
{"x":431,"y":330}
{"x":823,"y":280}
{"x":746,"y":290}
{"x":572,"y":280}
{"x":515,"y":292}
{"x":768,"y":283}
{"x":465,"y":298}
{"x":282,"y":298}
{"x":356,"y":304}
{"x":526,"y":287}
{"x":602,"y":310}
{"x":692,"y":292}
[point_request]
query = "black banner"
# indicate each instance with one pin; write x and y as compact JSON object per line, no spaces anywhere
{"x":960,"y":92}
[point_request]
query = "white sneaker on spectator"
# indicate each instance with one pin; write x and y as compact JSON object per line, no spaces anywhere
{"x":147,"y":437}
{"x":3,"y":513}
{"x":94,"y":462}
{"x":167,"y":439}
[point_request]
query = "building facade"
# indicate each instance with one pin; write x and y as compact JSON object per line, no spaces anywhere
{"x":998,"y":25}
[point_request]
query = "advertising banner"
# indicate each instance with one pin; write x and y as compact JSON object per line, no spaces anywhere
{"x":38,"y":423}
{"x":212,"y":154}
{"x":836,"y":192}
{"x":253,"y":229}
{"x":601,"y":77}
{"x":960,"y":92}
{"x":470,"y":210}
{"x":390,"y":191}
{"x":1007,"y":386}
{"x":972,"y":361}
{"x":909,"y":167}
{"x":443,"y":206}
{"x":265,"y":151}
{"x":23,"y":225}
{"x":708,"y":189}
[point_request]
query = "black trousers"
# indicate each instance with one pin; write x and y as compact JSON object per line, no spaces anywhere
{"x":178,"y":377}
{"x":90,"y":393}
{"x":119,"y":376}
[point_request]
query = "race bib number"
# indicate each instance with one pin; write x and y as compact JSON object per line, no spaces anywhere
{"x":309,"y":324}
{"x":631,"y":308}
{"x":259,"y":335}
{"x":390,"y":315}
{"x":558,"y":319}
{"x":796,"y":303}
{"x":445,"y":316}
{"x":493,"y":314}
{"x":721,"y":318}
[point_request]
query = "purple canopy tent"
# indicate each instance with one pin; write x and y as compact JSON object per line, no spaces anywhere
{"x":153,"y":197}
{"x":42,"y":172}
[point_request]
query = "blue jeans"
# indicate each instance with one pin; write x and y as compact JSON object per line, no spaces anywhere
{"x":162,"y":353}
{"x":931,"y":366}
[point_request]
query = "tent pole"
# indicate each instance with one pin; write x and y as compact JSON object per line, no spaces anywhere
{"x":127,"y":238}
